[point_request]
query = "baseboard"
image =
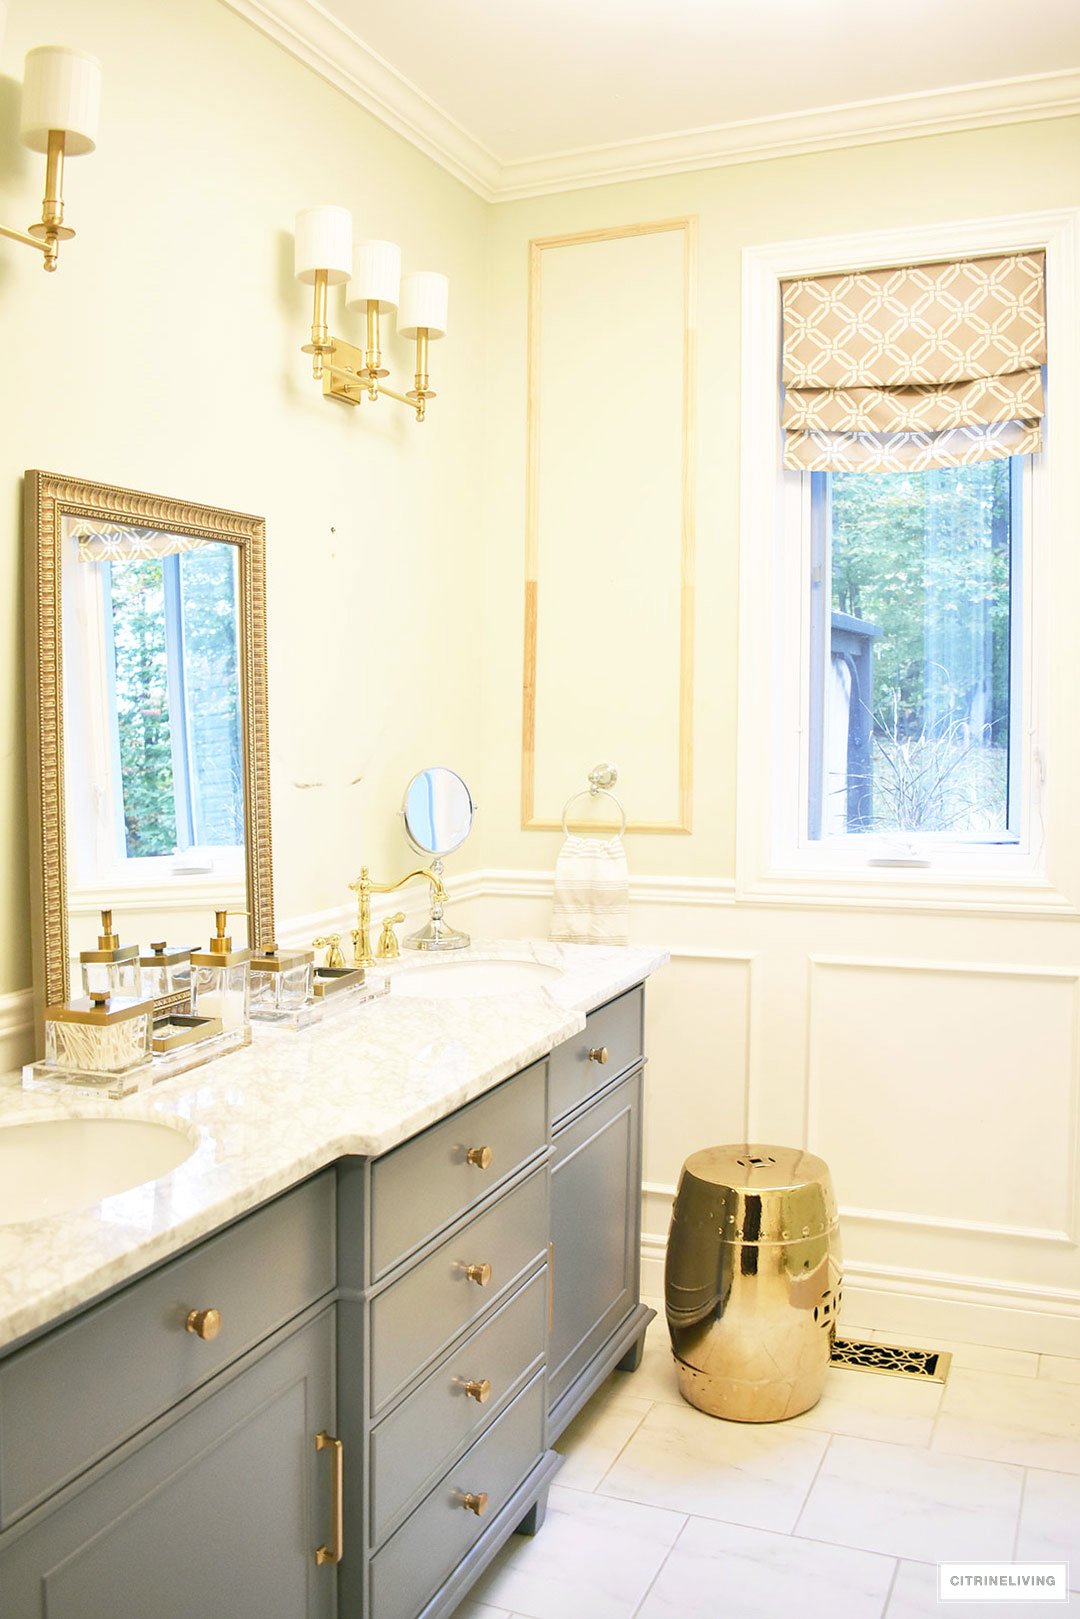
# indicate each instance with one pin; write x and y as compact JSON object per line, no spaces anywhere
{"x":912,"y":1304}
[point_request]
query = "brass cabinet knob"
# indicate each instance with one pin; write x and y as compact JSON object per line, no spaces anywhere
{"x":598,"y":1054}
{"x":480,"y":1274}
{"x":475,"y":1503}
{"x":480,"y":1156}
{"x":478,"y":1389}
{"x":204,"y":1324}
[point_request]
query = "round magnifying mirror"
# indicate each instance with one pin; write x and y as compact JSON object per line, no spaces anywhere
{"x":438,"y":811}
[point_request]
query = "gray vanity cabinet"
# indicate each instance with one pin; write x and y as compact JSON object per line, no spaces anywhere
{"x":443,"y":1291}
{"x":442,"y":1310}
{"x":597,"y":1319}
{"x":216,"y":1512}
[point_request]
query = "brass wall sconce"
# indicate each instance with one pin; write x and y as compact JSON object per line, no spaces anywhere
{"x":325,"y":258}
{"x":61,"y":100}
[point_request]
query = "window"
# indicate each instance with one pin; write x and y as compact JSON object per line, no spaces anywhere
{"x":907,"y":576}
{"x":172,"y":671}
{"x":915,"y":649}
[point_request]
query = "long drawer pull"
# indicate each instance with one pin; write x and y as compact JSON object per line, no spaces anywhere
{"x":480,"y":1274}
{"x":598,"y":1054}
{"x":205,"y":1324}
{"x":478,"y":1389}
{"x":475,"y":1503}
{"x":333,"y":1552}
{"x":480,"y":1156}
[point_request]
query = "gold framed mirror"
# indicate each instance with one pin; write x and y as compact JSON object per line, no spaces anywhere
{"x":147,"y":724}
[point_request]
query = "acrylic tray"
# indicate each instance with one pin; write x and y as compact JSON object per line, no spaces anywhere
{"x":42,"y":1076}
{"x":320,"y":1008}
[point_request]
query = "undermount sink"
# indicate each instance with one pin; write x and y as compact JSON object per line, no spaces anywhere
{"x":54,"y":1166}
{"x":460,"y":980}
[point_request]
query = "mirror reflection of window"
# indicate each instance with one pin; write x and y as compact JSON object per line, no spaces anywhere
{"x":175,"y":701}
{"x":153,"y":705}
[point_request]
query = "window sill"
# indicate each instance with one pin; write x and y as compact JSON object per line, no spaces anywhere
{"x":178,"y":893}
{"x":909,"y":889}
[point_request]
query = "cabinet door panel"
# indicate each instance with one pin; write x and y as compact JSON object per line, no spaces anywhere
{"x":125,"y":1362}
{"x":217,"y":1514}
{"x":594,"y":1200}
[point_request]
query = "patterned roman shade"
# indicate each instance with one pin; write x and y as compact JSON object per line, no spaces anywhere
{"x":123,"y":542}
{"x":928,"y":365}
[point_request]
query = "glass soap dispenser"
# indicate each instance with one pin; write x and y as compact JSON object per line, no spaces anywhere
{"x":111,"y":969}
{"x":281,"y":980}
{"x":103,"y":1034}
{"x":221,"y":980}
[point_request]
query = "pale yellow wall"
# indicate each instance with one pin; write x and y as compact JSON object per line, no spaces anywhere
{"x":979,"y":173}
{"x":164,"y":356}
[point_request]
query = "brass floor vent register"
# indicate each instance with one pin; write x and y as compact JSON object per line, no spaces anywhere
{"x":894,"y":1360}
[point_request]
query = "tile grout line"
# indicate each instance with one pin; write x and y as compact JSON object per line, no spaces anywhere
{"x":892,"y":1588}
{"x":817,"y":1472}
{"x":1020,"y":1513}
{"x":663,"y":1564}
{"x":630,"y":1436}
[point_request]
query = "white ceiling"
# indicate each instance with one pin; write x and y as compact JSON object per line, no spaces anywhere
{"x":521,"y":95}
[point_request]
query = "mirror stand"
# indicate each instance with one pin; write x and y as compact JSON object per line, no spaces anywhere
{"x":437,"y":811}
{"x":437,"y":934}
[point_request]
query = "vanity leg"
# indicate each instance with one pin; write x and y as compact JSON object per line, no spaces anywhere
{"x":534,"y":1518}
{"x":632,"y":1359}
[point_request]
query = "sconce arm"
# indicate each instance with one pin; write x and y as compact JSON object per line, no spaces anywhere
{"x":21,"y":236}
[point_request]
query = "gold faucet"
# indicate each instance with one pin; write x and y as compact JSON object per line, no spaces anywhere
{"x":363,"y":888}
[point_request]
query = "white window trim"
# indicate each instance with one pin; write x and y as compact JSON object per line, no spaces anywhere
{"x":1042,"y":878}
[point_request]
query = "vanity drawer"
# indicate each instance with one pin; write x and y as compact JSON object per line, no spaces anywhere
{"x":131,"y":1356}
{"x":429,"y":1181}
{"x":412,"y":1445}
{"x":416,"y":1560}
{"x":422,"y":1313}
{"x":617,"y":1028}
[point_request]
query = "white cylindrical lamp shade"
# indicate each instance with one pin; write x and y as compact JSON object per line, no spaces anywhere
{"x":61,"y":90}
{"x":376,"y":276}
{"x":324,"y":242}
{"x":425,"y":295}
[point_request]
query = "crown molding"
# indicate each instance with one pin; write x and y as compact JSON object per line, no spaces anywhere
{"x":314,"y":37}
{"x":822,"y":129}
{"x":323,"y":44}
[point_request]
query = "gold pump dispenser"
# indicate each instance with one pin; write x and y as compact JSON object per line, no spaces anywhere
{"x":221,"y":978}
{"x":111,"y":969}
{"x":221,"y":952}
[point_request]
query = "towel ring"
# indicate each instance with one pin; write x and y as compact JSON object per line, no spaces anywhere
{"x":601,"y":780}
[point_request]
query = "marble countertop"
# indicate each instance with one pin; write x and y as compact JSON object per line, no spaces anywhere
{"x":266,"y":1116}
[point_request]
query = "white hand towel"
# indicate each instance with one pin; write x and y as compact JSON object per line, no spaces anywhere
{"x":592,"y":892}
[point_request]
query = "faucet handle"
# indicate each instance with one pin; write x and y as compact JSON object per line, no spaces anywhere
{"x":388,"y":948}
{"x":331,"y":943}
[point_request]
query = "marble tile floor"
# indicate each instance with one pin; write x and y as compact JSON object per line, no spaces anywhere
{"x":660,"y":1512}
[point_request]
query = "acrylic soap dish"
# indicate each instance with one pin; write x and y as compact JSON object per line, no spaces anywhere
{"x":175,"y":1055}
{"x":334,"y":990}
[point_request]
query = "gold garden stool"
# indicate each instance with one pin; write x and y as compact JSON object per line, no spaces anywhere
{"x":752,"y":1282}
